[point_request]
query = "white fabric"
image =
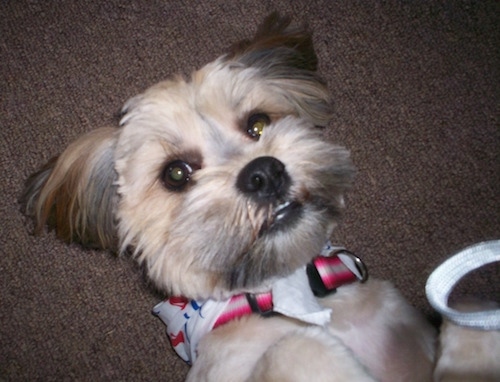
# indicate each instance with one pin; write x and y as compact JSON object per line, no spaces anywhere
{"x":293,"y":298}
{"x":329,"y":248}
{"x":441,"y":282}
{"x":186,"y":325}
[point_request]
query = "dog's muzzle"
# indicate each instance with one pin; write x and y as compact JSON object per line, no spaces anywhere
{"x":266,"y":182}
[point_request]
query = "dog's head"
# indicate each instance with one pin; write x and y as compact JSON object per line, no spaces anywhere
{"x":219,"y":183}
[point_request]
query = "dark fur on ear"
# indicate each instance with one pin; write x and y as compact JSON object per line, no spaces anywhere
{"x":75,"y":193}
{"x":285,"y":56}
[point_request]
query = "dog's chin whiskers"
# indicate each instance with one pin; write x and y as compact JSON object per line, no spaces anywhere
{"x":267,"y":220}
{"x":255,"y":217}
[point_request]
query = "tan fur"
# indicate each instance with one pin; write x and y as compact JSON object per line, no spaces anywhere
{"x":467,"y":354}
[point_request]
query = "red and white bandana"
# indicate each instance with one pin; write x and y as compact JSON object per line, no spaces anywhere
{"x":189,"y":320}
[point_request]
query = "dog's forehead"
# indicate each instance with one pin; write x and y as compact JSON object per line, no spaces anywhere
{"x":206,"y":111}
{"x":227,"y":88}
{"x":224,"y":87}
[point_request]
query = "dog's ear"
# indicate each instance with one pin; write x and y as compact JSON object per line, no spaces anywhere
{"x":285,"y":56}
{"x":75,"y":193}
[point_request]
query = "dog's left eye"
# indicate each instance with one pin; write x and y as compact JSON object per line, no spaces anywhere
{"x":256,"y":124}
{"x":176,"y":175}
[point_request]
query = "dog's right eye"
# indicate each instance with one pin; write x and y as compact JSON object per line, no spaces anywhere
{"x":256,"y":124}
{"x":176,"y":175}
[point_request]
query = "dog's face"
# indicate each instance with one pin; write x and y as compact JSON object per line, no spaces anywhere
{"x":219,"y":183}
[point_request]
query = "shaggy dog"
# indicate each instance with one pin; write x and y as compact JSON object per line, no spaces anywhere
{"x":222,"y":186}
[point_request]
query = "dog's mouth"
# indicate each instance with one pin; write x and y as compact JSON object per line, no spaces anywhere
{"x":286,"y":211}
{"x":281,"y":217}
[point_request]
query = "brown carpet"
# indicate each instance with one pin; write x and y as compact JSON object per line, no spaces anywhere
{"x":416,"y":86}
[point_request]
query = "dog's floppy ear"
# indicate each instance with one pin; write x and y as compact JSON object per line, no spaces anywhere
{"x":285,"y":56}
{"x":75,"y":193}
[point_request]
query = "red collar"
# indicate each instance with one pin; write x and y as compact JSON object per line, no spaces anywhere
{"x":325,"y":274}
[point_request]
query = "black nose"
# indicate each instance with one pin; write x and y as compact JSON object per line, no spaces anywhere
{"x":264,"y":178}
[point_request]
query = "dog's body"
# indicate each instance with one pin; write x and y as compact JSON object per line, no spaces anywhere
{"x":220,"y":185}
{"x":373,"y":336}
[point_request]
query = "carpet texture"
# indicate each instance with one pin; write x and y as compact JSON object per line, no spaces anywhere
{"x":416,"y":90}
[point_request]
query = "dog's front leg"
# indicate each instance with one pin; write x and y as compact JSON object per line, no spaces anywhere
{"x":230,"y":352}
{"x":274,"y":349}
{"x":390,"y":337}
{"x":309,"y":354}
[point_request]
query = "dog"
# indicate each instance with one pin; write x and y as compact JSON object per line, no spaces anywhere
{"x":221,"y":186}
